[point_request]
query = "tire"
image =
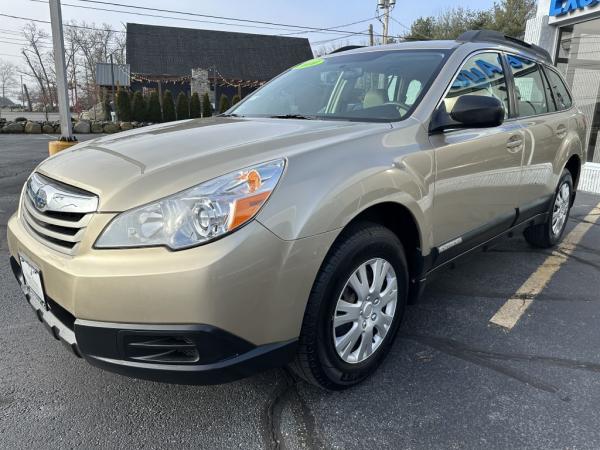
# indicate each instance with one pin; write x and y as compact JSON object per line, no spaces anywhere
{"x":318,"y":361}
{"x":545,"y":235}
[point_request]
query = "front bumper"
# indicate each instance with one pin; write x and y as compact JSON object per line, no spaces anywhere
{"x":185,"y":354}
{"x":238,"y":302}
{"x":251,"y":283}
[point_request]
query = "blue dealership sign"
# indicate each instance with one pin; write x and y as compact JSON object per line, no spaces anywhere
{"x":560,"y":7}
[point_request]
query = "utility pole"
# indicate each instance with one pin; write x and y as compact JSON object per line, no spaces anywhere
{"x":386,"y":7}
{"x":22,"y":94}
{"x":112,"y":82}
{"x":371,"y":39}
{"x":58,"y":44}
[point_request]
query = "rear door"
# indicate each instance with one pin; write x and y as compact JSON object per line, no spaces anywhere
{"x":478,"y":170}
{"x":545,"y":128}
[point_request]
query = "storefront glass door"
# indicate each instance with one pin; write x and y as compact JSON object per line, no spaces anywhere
{"x":579,"y":61}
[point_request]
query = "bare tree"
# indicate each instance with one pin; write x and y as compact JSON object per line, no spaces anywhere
{"x":7,"y":76}
{"x":86,"y":45}
{"x":39,"y":61}
{"x":93,"y":44}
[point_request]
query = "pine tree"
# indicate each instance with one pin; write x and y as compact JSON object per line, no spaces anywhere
{"x":123,"y":105}
{"x":168,"y":107}
{"x":206,"y":106}
{"x":153,"y":113}
{"x":224,"y":104}
{"x":183,"y":107}
{"x":195,"y":107}
{"x":138,"y":107}
{"x":236,"y":99}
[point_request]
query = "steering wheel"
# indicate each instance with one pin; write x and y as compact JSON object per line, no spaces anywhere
{"x":402,"y":107}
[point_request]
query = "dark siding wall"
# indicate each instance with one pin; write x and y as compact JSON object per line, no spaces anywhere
{"x":175,"y":51}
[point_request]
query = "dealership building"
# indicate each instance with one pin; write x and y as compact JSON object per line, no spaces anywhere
{"x":570,"y":31}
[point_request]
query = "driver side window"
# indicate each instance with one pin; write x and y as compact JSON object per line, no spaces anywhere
{"x":482,"y":74}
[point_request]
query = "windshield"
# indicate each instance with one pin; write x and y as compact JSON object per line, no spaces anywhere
{"x":368,"y":86}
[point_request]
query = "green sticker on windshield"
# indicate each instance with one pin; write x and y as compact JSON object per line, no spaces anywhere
{"x":309,"y":63}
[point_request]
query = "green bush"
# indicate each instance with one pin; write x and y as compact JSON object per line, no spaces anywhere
{"x":138,"y":107}
{"x":168,"y":107}
{"x":206,"y":106}
{"x":153,"y":113}
{"x":236,"y":99}
{"x":195,"y":107}
{"x":183,"y":107}
{"x":106,"y":109}
{"x":123,"y":105}
{"x":224,"y":104}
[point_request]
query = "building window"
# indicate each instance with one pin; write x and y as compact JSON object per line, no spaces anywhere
{"x":578,"y":59}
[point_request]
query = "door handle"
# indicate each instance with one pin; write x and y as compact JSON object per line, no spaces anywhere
{"x":561,"y":131}
{"x":514,"y":144}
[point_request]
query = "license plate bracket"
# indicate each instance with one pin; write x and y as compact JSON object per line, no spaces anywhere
{"x":32,"y":282}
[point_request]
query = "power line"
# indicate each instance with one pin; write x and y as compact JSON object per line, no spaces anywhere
{"x":119,"y":31}
{"x":233,"y":19}
{"x":337,"y":27}
{"x":409,"y":29}
{"x":326,"y":41}
{"x":29,"y":19}
{"x":159,"y":16}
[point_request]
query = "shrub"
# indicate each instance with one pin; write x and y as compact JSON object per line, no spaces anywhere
{"x":206,"y":106}
{"x":106,"y":109}
{"x":20,"y":119}
{"x":224,"y":104}
{"x":183,"y":107}
{"x":153,"y":113}
{"x":168,"y":107}
{"x":195,"y":107}
{"x":236,"y":99}
{"x":138,"y":107}
{"x":123,"y":105}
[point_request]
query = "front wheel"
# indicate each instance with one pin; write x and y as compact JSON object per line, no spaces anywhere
{"x":355,"y":308}
{"x":549,"y":233}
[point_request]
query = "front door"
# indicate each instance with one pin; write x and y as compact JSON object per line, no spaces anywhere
{"x":477,"y":170}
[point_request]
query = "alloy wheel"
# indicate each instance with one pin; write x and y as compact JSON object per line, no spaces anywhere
{"x":560,"y":210}
{"x":365,"y":310}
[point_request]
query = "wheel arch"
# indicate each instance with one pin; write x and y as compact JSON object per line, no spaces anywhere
{"x":573,"y":165}
{"x":402,"y":222}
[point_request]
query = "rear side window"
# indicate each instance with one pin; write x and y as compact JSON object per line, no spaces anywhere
{"x":530,"y":89}
{"x":561,"y":93}
{"x":482,"y":74}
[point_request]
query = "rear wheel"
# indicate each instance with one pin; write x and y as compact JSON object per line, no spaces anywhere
{"x":550,"y":232}
{"x":355,"y":308}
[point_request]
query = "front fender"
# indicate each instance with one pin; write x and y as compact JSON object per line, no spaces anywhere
{"x":324,"y":190}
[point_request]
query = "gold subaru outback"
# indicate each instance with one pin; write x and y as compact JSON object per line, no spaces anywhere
{"x":294,"y":228}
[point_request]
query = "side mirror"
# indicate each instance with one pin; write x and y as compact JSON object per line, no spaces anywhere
{"x":470,"y":111}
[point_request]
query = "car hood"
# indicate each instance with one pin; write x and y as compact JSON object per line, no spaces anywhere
{"x":139,"y":166}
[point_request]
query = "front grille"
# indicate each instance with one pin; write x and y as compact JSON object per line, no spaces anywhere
{"x":61,"y":214}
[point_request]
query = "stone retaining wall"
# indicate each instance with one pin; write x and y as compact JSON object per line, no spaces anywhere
{"x":80,"y":127}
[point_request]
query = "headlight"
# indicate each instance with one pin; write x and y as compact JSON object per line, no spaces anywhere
{"x":197,"y":215}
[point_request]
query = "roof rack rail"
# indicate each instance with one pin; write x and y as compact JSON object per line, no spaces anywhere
{"x":346,"y":48}
{"x":500,"y":38}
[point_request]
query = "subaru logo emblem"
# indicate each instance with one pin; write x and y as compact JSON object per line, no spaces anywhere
{"x":41,"y":199}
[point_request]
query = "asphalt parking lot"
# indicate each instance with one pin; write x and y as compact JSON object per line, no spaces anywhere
{"x":453,"y":380}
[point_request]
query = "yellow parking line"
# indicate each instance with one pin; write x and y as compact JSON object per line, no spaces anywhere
{"x":510,"y":313}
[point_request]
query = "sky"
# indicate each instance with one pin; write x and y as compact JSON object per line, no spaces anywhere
{"x":312,"y":13}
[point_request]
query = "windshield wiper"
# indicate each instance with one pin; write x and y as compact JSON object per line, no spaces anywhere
{"x":292,"y":116}
{"x":230,"y":115}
